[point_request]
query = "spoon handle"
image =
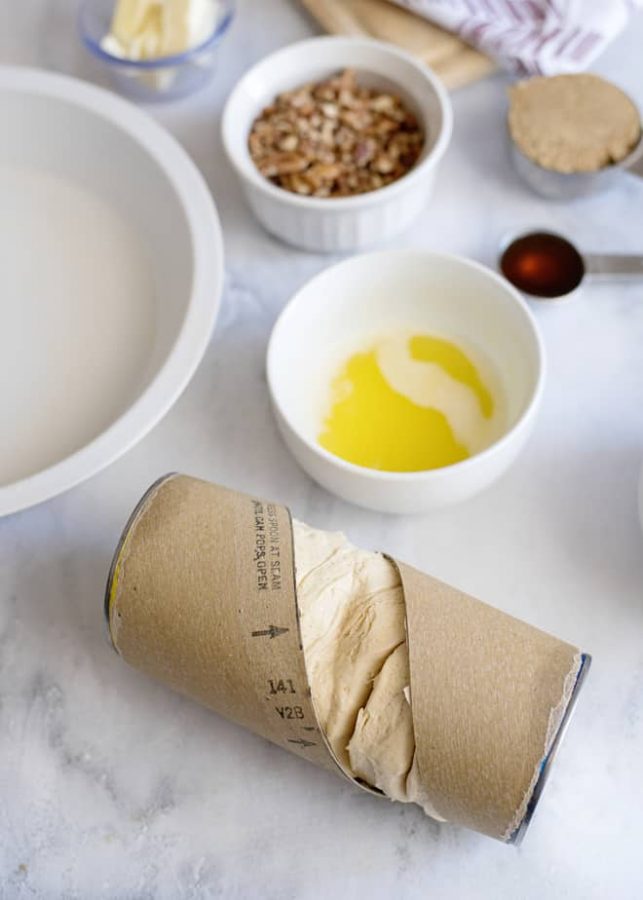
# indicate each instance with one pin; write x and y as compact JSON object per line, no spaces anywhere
{"x":613,"y":265}
{"x":635,"y":166}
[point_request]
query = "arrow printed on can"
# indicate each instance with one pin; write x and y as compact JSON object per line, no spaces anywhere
{"x":272,"y":631}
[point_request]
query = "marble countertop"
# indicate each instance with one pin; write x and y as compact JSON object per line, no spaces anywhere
{"x":110,"y":786}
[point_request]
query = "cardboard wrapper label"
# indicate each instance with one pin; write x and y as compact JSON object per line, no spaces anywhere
{"x":202,"y":596}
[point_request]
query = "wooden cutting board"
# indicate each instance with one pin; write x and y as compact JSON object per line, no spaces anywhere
{"x":454,"y":61}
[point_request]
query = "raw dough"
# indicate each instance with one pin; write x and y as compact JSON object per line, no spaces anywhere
{"x":573,"y":123}
{"x":353,"y":631}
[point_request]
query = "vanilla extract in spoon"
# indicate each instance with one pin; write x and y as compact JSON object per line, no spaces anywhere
{"x":547,"y":266}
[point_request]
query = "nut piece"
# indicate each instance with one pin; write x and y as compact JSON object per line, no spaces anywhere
{"x":335,"y":138}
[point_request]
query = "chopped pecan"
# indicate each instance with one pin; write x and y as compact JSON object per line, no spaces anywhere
{"x":335,"y":138}
{"x":282,"y":164}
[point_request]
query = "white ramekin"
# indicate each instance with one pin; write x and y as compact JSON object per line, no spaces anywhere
{"x":345,"y":307}
{"x":346,"y":223}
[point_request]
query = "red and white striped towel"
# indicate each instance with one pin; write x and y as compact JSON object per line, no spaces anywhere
{"x":532,"y":37}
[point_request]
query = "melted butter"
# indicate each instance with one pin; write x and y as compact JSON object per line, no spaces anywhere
{"x":408,"y":404}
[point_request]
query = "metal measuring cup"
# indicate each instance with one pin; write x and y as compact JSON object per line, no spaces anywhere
{"x":570,"y":185}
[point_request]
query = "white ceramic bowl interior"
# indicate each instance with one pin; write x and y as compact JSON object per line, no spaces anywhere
{"x":112,"y":265}
{"x":342,"y":224}
{"x":353,"y":303}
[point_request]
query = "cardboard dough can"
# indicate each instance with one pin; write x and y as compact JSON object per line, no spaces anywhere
{"x":202,"y":596}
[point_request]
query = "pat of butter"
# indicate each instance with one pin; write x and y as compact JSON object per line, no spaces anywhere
{"x":152,"y":29}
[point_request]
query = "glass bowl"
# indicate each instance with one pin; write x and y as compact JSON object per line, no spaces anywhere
{"x":165,"y":78}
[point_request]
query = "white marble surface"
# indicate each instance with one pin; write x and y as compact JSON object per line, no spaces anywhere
{"x":110,"y":786}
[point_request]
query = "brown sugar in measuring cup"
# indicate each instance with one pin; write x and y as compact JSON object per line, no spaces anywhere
{"x":573,"y":135}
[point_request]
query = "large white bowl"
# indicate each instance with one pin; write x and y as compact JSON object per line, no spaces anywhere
{"x":112,"y":265}
{"x":344,"y":223}
{"x":368,"y":296}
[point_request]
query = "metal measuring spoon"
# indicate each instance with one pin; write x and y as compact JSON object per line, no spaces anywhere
{"x":547,"y":266}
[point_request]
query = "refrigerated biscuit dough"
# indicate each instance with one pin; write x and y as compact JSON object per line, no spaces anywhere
{"x":353,"y":631}
{"x":573,"y":123}
{"x":201,"y":596}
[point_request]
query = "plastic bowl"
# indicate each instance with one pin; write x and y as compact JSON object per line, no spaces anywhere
{"x":166,"y":78}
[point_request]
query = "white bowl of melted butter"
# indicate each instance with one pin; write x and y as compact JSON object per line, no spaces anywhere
{"x":406,"y":380}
